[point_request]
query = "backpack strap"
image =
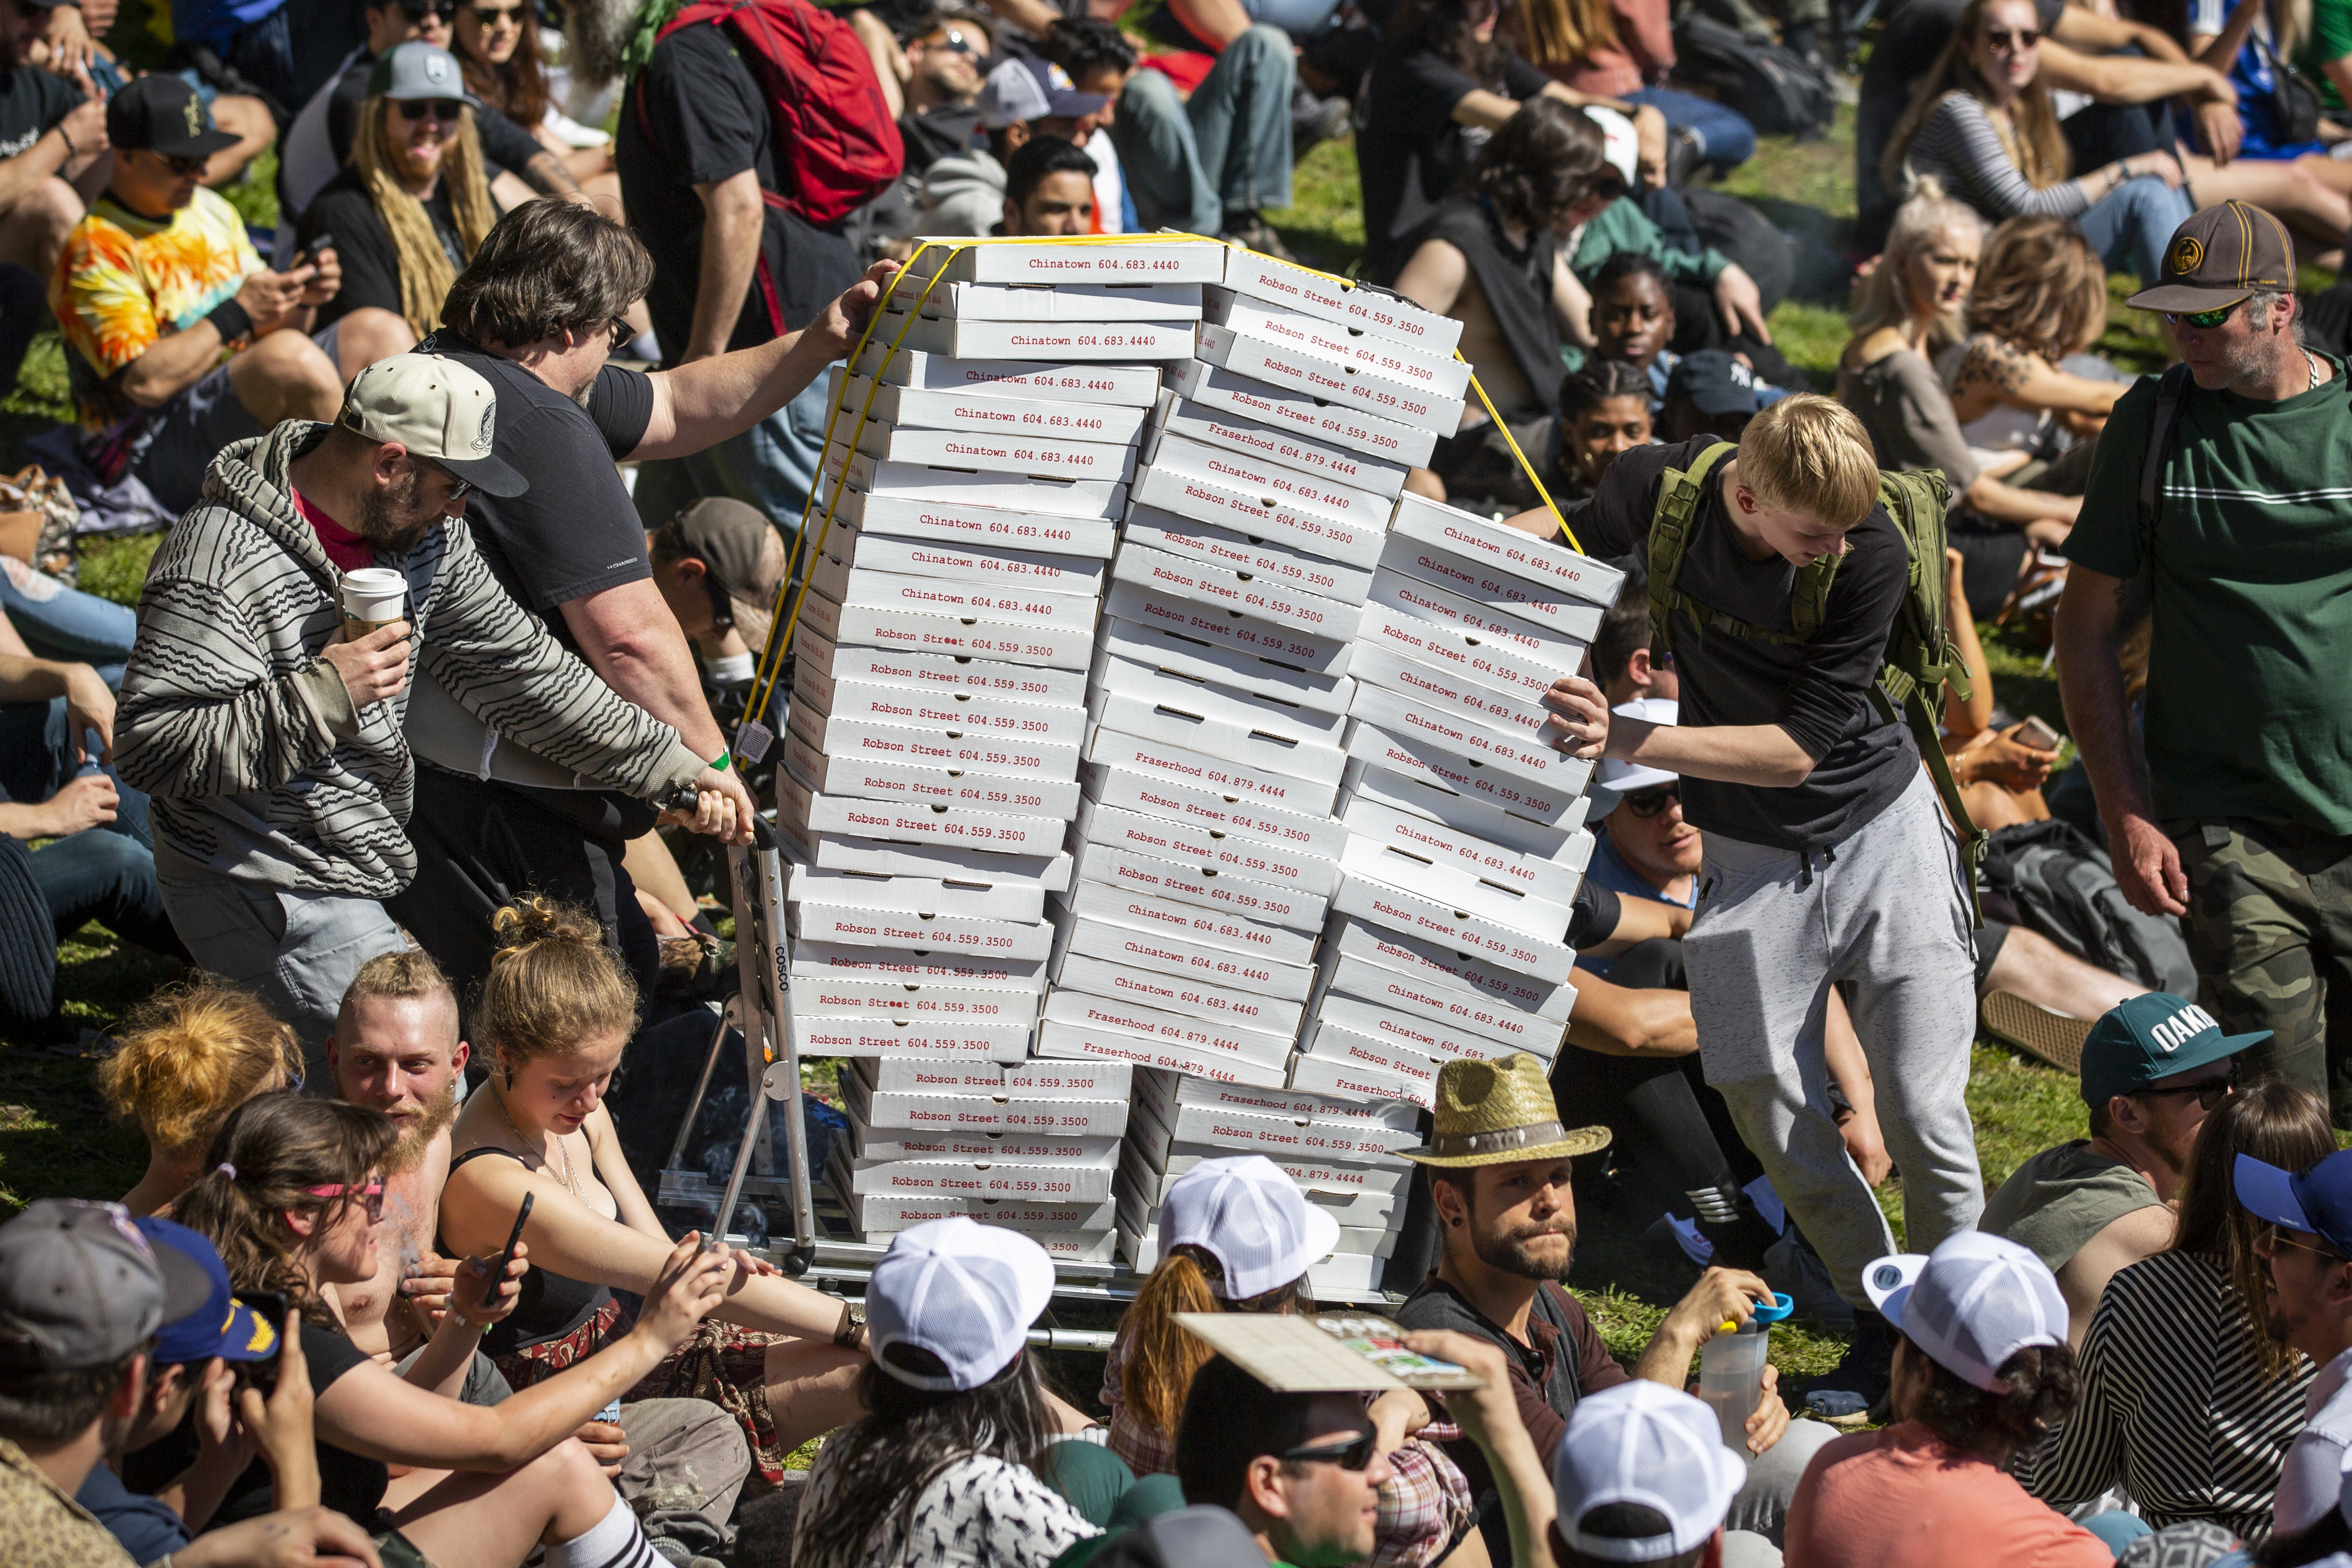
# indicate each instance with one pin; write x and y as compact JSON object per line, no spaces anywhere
{"x":2170,"y":391}
{"x":1680,"y":493}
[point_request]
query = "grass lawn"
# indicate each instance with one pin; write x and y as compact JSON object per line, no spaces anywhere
{"x":56,"y":1139}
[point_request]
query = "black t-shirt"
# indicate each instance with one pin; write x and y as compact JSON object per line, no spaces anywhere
{"x":1818,"y":691}
{"x":1593,"y":914}
{"x":31,"y":102}
{"x":937,"y":133}
{"x":346,"y":212}
{"x":574,"y":532}
{"x":709,"y":121}
{"x":1412,"y":152}
{"x":505,"y":144}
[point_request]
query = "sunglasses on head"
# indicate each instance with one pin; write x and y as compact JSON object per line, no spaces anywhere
{"x":1353,"y":1455}
{"x":2002,"y":38}
{"x":1647,"y":803}
{"x":2205,"y":320}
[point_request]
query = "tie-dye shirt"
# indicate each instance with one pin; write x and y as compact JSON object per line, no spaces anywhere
{"x":124,"y":280}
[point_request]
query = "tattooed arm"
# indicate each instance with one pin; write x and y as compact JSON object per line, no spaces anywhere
{"x":1992,"y":372}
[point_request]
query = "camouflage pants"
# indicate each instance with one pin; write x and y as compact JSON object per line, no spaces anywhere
{"x":2270,"y":928}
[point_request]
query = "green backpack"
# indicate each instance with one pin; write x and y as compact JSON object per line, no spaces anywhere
{"x":1920,"y":657}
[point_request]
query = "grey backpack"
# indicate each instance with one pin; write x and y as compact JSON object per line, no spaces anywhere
{"x":2064,"y":888}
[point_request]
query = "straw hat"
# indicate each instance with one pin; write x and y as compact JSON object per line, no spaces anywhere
{"x":1499,"y":1112}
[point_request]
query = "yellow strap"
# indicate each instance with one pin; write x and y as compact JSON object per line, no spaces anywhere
{"x":1549,"y":505}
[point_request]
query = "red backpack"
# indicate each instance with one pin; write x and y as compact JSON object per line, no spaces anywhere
{"x":839,"y":145}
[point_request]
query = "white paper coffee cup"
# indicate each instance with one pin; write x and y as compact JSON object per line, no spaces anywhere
{"x":373,"y":598}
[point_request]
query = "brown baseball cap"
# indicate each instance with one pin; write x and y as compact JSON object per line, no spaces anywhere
{"x":2219,"y":257}
{"x":744,"y":556}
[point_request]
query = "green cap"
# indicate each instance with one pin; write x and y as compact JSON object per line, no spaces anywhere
{"x":2151,"y":1036}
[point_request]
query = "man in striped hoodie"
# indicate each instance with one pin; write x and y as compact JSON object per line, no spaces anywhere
{"x":271,"y":743}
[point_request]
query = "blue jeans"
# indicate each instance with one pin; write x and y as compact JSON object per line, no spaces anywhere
{"x":1296,"y":18}
{"x":109,"y":878}
{"x":68,"y":625}
{"x":1189,"y":161}
{"x":2131,"y":224}
{"x":36,"y":760}
{"x":1725,"y":137}
{"x":296,"y":951}
{"x":770,"y":465}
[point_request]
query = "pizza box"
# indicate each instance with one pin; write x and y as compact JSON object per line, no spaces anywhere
{"x":877,"y":996}
{"x":1412,"y":596}
{"x":822,"y":662}
{"x":1261,"y":941}
{"x":1237,"y":594}
{"x":996,"y":832}
{"x":1360,"y":1196}
{"x":1366,"y":306}
{"x":1274,"y":444}
{"x":1062,"y":1246}
{"x":1260,"y":513}
{"x":1343,"y":1074}
{"x":891,"y":702}
{"x":1412,"y":914}
{"x":1227,"y":628}
{"x":1303,"y":414}
{"x":1465,"y":655}
{"x":1083,"y":1010}
{"x":1336,"y":381}
{"x":1064,"y":1040}
{"x":995,"y":1148}
{"x":1057,"y":302}
{"x":1387,"y":1057}
{"x":1039,"y":1081}
{"x":1424,"y":795}
{"x":1162,"y":1093}
{"x":1160,"y":648}
{"x":1015,"y":492}
{"x":1014,"y":603}
{"x":1295,"y":832}
{"x":1186,"y":258}
{"x":1018,"y":569}
{"x":1287,"y":725}
{"x":995,"y":452}
{"x":835,"y":1034}
{"x":967,"y":1179}
{"x":936,"y":746}
{"x":1568,"y":615}
{"x":1126,"y":982}
{"x":1428,"y":748}
{"x":1484,"y":1026}
{"x":1173,"y":838}
{"x":1431,"y":374}
{"x":1189,"y":881}
{"x":814,"y":959}
{"x":982,"y":409}
{"x":1113,"y":749}
{"x":923,"y":632}
{"x":1168,"y":951}
{"x":1379,"y":665}
{"x":1268,"y":482}
{"x":956,"y":521}
{"x":1115,"y":386}
{"x":872,"y":928}
{"x":882,"y":857}
{"x":855,"y":776}
{"x":1421,"y":1037}
{"x":870,"y":1213}
{"x":929,"y":1111}
{"x":1507,"y":551}
{"x":1160,"y":530}
{"x":1361,"y":1142}
{"x":1121,"y":341}
{"x":1464,"y":854}
{"x":1017,"y":901}
{"x":1520,"y":755}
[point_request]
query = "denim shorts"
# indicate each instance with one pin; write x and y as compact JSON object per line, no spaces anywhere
{"x":183,"y":437}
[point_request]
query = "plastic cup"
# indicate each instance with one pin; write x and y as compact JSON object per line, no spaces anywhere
{"x":373,"y":597}
{"x":1731,"y":1371}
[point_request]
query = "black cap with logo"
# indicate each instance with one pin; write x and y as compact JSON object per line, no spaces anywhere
{"x":163,"y":114}
{"x":2218,"y":257}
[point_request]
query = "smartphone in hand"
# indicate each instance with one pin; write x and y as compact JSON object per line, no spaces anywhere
{"x":2038,"y":735}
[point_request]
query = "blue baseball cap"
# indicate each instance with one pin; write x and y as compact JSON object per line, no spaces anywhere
{"x":2151,"y":1036}
{"x":221,"y":1326}
{"x":2317,"y":1203}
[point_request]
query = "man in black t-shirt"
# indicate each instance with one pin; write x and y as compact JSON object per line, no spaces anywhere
{"x":698,"y":161}
{"x":534,"y":313}
{"x":52,"y":130}
{"x":1829,"y":860}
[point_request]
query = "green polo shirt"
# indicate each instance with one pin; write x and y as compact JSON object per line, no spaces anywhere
{"x":2250,"y":672}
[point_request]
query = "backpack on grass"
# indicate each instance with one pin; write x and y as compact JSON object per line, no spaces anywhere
{"x":2064,"y":887}
{"x":1920,"y":657}
{"x":1779,"y":92}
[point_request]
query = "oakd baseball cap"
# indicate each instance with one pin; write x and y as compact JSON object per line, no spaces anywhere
{"x":163,"y":114}
{"x":81,"y":1286}
{"x":745,"y":556}
{"x":966,"y":1293}
{"x":1033,"y":89}
{"x":1655,"y":1447}
{"x":416,"y":70}
{"x":1715,"y":381}
{"x":2218,"y":257}
{"x":219,"y":1326}
{"x":439,"y":410}
{"x":1970,"y":1304}
{"x":2317,"y":1203}
{"x":2150,"y":1037}
{"x":1249,"y":1216}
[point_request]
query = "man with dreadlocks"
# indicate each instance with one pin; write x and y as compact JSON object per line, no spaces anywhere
{"x":411,"y":208}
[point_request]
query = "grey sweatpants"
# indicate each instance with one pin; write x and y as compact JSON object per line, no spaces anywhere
{"x":1773,"y":931}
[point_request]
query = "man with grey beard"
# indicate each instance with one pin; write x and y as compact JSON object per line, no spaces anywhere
{"x":1498,"y":1164}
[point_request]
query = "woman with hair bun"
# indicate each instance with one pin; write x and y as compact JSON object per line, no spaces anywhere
{"x":552,"y":1019}
{"x":190,"y":1056}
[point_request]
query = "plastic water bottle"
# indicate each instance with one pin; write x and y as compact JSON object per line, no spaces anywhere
{"x":1731,"y":1371}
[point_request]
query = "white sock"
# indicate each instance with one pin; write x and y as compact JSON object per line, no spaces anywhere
{"x":614,"y":1541}
{"x":729,"y":668}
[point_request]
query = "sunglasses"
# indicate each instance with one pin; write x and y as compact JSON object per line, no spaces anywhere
{"x":2277,"y":1236}
{"x":443,"y":110}
{"x":488,"y":16}
{"x":620,"y":334}
{"x":186,"y":168}
{"x":952,"y":41}
{"x":2210,"y":1093}
{"x":1648,"y":803}
{"x":2204,"y":321}
{"x":2002,"y":39}
{"x":442,"y":11}
{"x":1353,"y":1455}
{"x":373,"y":1192}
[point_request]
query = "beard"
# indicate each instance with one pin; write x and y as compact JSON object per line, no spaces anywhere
{"x":1510,"y":1252}
{"x":417,"y":1132}
{"x":390,"y":519}
{"x":595,"y":32}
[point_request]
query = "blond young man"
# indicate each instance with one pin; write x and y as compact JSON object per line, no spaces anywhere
{"x":1829,"y":862}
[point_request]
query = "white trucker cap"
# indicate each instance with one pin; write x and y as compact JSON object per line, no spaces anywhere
{"x":1615,"y":779}
{"x":966,"y":1293}
{"x":1251,"y":1218}
{"x":1647,"y":1444}
{"x":439,"y":410}
{"x":1971,"y":1303}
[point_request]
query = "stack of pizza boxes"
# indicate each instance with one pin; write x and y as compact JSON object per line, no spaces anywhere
{"x":1465,"y":835}
{"x":938,"y":714}
{"x":1207,"y":849}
